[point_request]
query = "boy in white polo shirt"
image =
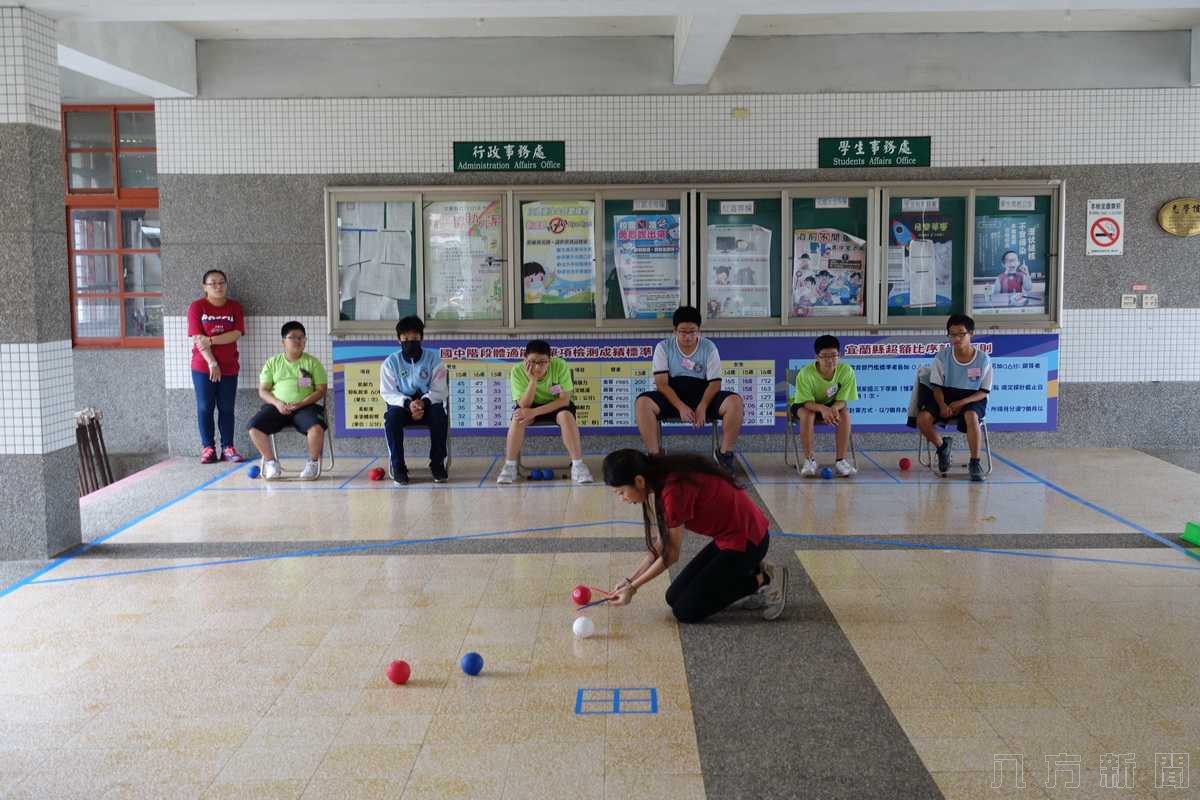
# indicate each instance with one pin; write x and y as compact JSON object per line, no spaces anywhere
{"x":960,"y":380}
{"x":687,"y":378}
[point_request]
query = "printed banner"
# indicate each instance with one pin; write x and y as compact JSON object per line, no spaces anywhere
{"x":609,"y":375}
{"x":1010,"y":268}
{"x":646,"y":252}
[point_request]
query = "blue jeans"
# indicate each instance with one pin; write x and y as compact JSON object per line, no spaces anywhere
{"x":221,"y":397}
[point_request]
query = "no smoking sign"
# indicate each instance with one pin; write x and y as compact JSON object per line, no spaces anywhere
{"x":1105,"y":221}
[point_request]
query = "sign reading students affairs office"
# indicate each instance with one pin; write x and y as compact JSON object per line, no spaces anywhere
{"x":873,"y":151}
{"x":509,"y":156}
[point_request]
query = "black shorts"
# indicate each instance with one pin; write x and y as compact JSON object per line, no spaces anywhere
{"x":927,"y":402}
{"x":690,"y":391}
{"x":551,"y":417}
{"x":794,"y":408}
{"x":270,"y":421}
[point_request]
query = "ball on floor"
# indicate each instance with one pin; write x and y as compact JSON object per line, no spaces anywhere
{"x":826,"y":473}
{"x":398,"y":672}
{"x":472,"y":663}
{"x":583,"y":627}
{"x":582,"y":595}
{"x":376,"y":473}
{"x":905,"y":464}
{"x":254,"y":471}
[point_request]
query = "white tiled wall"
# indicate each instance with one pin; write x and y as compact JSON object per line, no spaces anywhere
{"x":677,"y":132}
{"x":1102,"y":345}
{"x":28,"y":69}
{"x":260,"y":343}
{"x":1129,"y":345}
{"x":37,"y":398}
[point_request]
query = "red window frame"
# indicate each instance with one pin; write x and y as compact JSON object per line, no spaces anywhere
{"x":116,"y":200}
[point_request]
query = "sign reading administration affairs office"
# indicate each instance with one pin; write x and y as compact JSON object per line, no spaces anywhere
{"x":507,"y":156}
{"x":873,"y":151}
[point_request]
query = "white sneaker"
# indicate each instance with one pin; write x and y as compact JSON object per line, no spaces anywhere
{"x":752,"y":602}
{"x":580,"y":473}
{"x":271,"y":470}
{"x":844,"y":468}
{"x":311,"y":471}
{"x":809,"y":470}
{"x":775,"y":591}
{"x":508,"y":474}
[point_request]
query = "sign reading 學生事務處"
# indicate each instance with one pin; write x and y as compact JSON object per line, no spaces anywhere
{"x":873,"y":151}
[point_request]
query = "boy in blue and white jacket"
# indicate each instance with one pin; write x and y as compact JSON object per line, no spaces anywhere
{"x":414,"y":386}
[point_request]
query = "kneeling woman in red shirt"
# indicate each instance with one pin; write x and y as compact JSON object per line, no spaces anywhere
{"x":690,"y":491}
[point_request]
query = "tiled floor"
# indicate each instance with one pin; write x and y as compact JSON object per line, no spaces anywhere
{"x":259,"y":671}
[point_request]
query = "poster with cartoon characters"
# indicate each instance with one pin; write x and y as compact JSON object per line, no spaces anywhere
{"x":558,"y":263}
{"x":827,"y":273}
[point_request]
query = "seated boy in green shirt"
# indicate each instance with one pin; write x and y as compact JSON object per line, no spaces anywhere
{"x":541,"y":388}
{"x":823,"y":389}
{"x":292,"y":386}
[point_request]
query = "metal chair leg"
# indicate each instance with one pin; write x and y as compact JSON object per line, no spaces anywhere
{"x":987,"y":446}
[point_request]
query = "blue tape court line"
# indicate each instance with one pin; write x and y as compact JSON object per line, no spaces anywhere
{"x":347,"y":482}
{"x":488,"y":471}
{"x":882,"y":468}
{"x":1099,"y":509}
{"x":901,"y":545}
{"x":324,"y":551}
{"x":58,"y":562}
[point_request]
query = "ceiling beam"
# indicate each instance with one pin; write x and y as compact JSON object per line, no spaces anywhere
{"x":150,"y":58}
{"x":700,"y":39}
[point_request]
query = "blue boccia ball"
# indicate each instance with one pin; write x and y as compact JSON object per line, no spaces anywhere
{"x":826,"y":473}
{"x":547,"y":474}
{"x":253,"y":472}
{"x":472,"y":663}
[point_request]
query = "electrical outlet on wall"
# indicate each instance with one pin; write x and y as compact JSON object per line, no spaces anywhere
{"x":1129,"y":301}
{"x":1149,"y":301}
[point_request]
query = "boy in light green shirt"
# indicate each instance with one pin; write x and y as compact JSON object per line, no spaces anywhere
{"x":292,"y":386}
{"x":823,"y":390}
{"x":541,"y":389}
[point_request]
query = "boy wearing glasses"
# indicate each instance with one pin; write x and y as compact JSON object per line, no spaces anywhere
{"x":687,"y":377}
{"x":292,"y":386}
{"x":541,"y":389}
{"x":960,"y":379}
{"x":823,"y":391}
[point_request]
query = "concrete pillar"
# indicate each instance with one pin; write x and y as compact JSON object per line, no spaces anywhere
{"x":39,"y":502}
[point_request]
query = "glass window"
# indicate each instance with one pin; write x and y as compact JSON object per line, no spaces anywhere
{"x":143,"y":271}
{"x":140,"y":229}
{"x":463,"y":258}
{"x":143,"y":317}
{"x":740,"y":278}
{"x":829,"y":247}
{"x":926,"y":243}
{"x":642,"y":258}
{"x":89,"y":129}
{"x":96,"y":273}
{"x":135,"y":129}
{"x":90,"y":170}
{"x":558,"y":259}
{"x":1012,"y":255}
{"x":93,"y":229}
{"x":139,"y":170}
{"x":376,"y":259}
{"x":97,"y":318}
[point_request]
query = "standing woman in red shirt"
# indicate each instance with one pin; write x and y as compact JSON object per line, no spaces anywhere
{"x":689,"y":491}
{"x":215,"y":323}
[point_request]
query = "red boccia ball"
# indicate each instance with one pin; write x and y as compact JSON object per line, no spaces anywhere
{"x":582,"y":595}
{"x":398,"y":672}
{"x":376,"y":474}
{"x":905,"y":464}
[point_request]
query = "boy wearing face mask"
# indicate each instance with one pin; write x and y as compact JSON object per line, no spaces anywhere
{"x":413,"y":384}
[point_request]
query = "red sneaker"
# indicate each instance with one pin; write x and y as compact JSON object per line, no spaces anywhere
{"x":208,"y":455}
{"x":231,"y":454}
